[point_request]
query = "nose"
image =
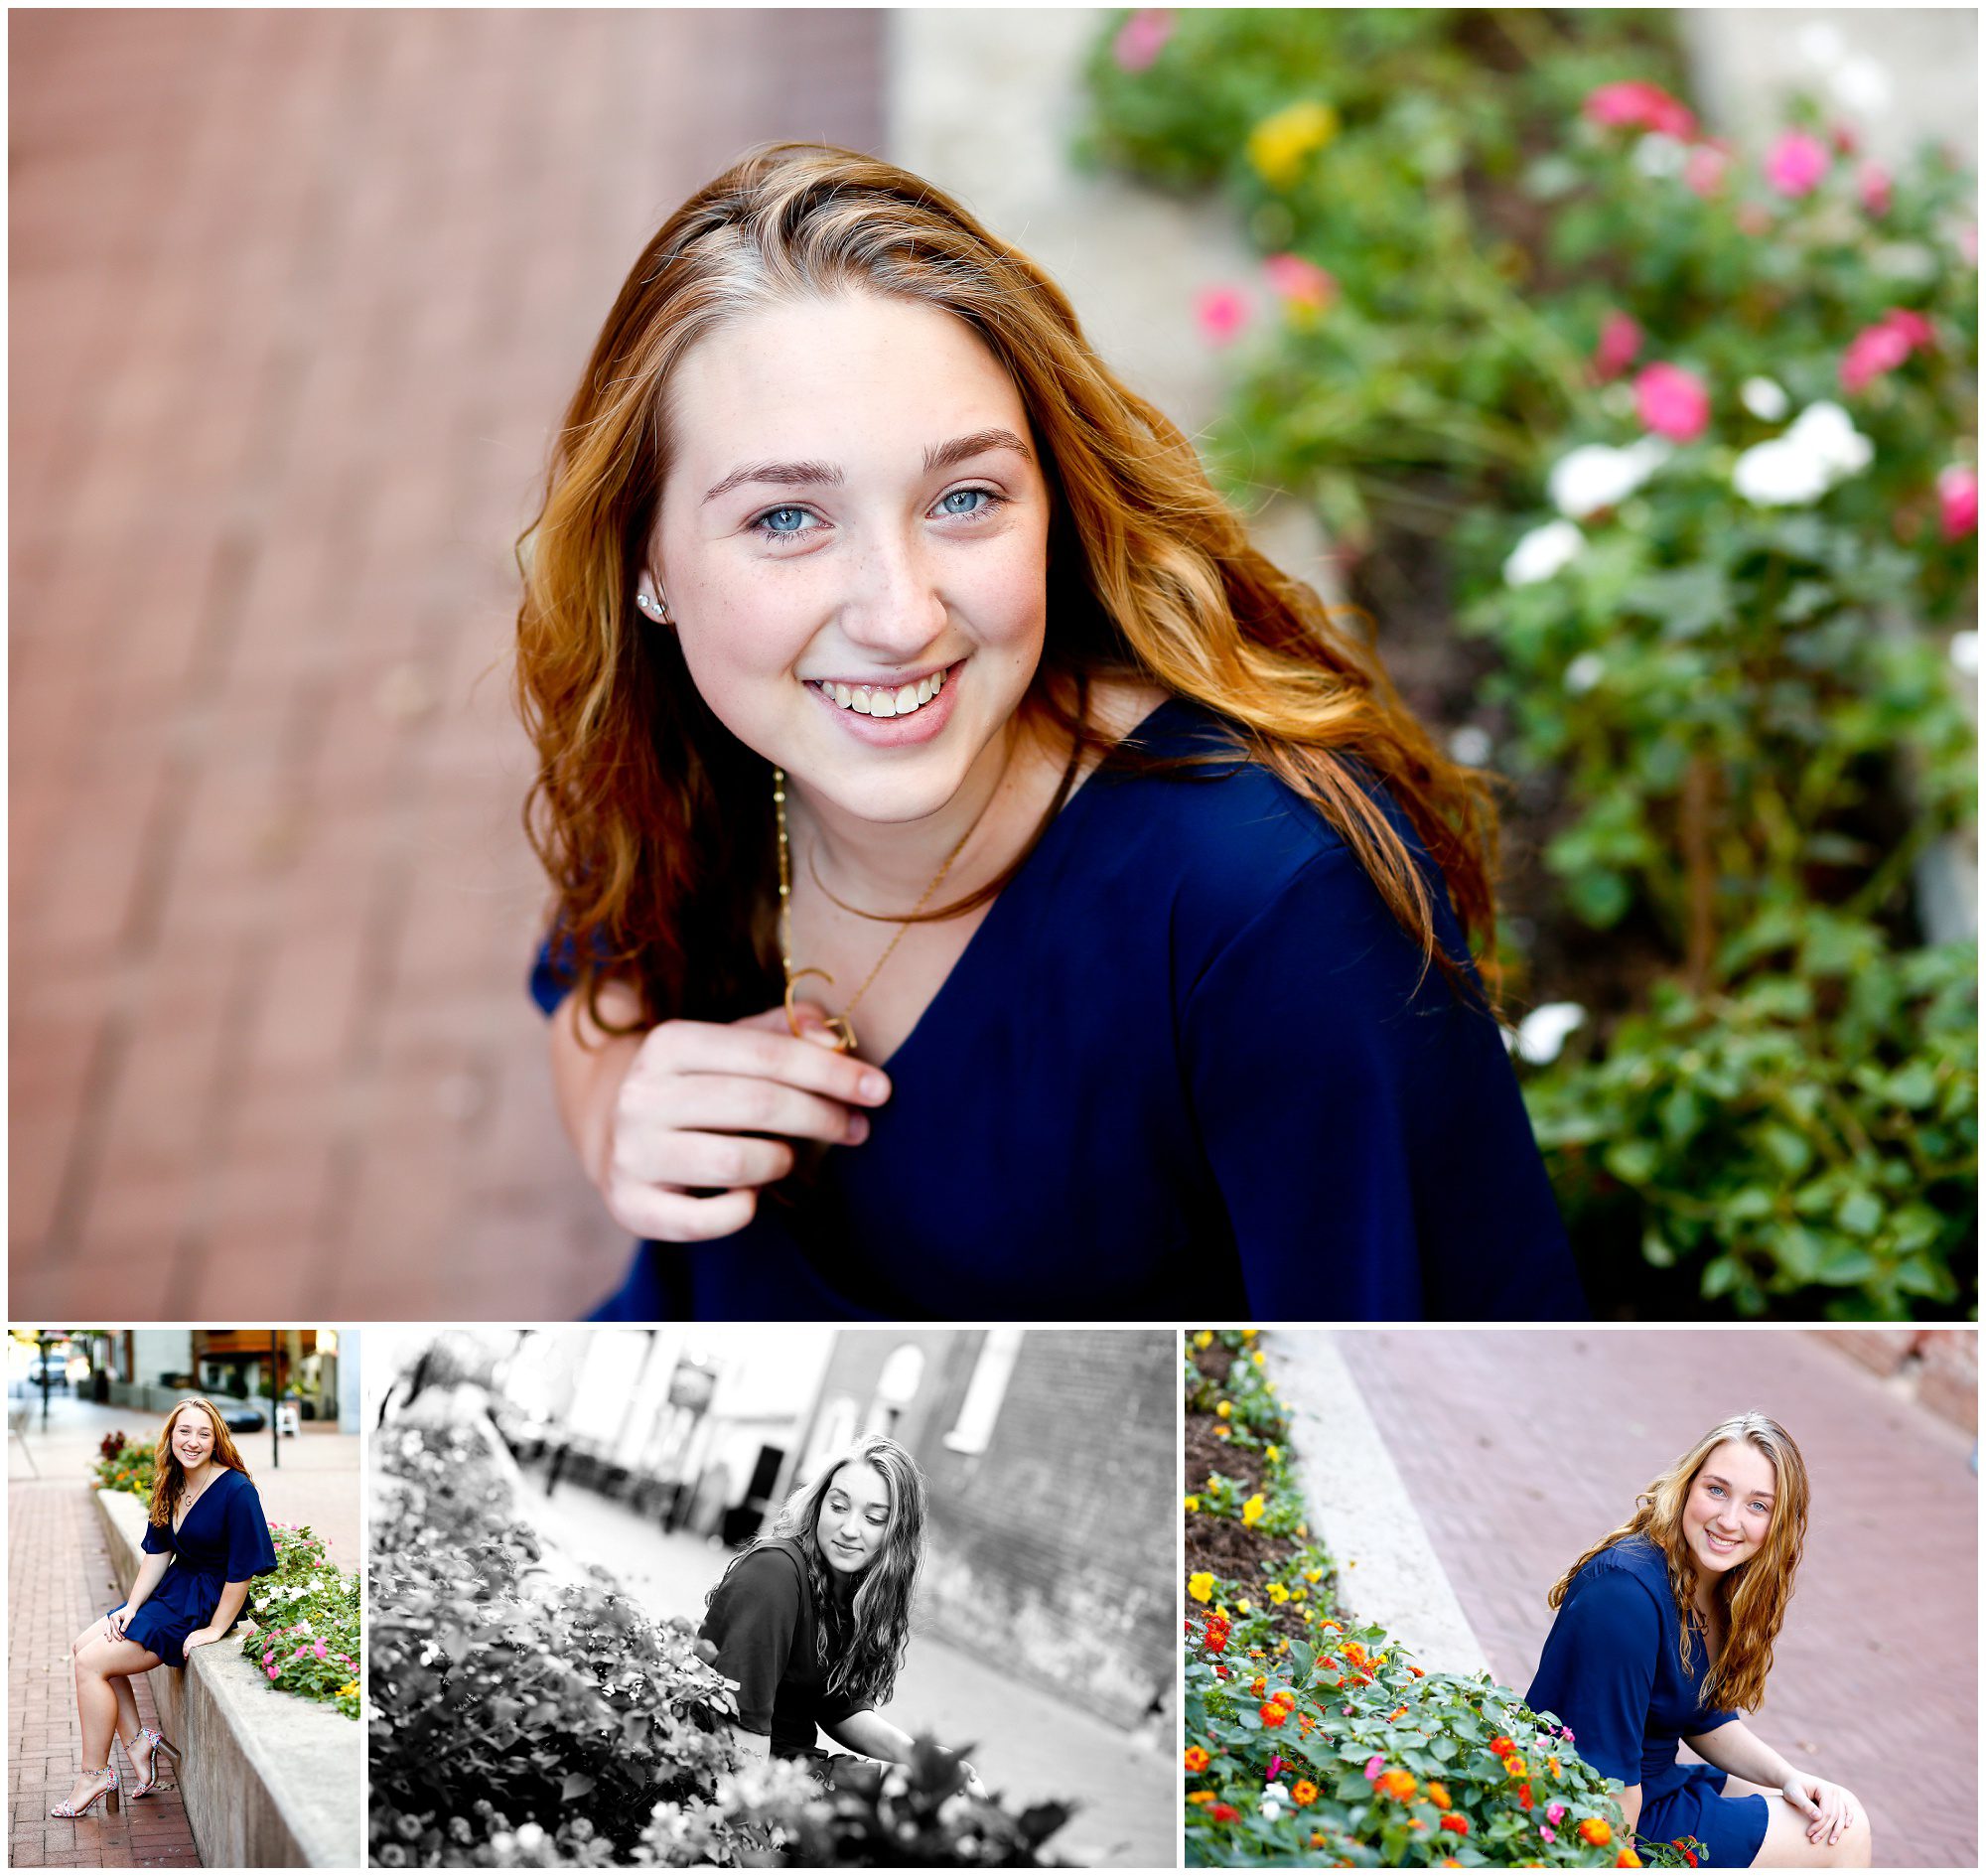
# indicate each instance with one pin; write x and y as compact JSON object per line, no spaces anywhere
{"x":892,"y":609}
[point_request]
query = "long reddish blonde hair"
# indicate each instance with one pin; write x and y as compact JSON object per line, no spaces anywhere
{"x":1755,"y":1593}
{"x":656,"y":824}
{"x":169,"y":1480}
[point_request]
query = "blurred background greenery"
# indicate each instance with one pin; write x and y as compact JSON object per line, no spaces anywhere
{"x":1649,"y":460}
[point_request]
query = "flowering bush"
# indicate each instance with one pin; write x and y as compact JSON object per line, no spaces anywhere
{"x":592,"y":1734}
{"x":1686,"y":439}
{"x":307,"y":1621}
{"x":125,"y":1468}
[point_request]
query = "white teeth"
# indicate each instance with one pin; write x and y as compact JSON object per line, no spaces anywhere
{"x":867,"y":700}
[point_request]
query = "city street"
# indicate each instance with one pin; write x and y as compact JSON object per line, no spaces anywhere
{"x":1027,"y":1745}
{"x":1523,"y":1448}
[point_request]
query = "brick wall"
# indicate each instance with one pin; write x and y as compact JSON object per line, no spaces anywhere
{"x":1052,"y":1550}
{"x":1936,"y":1367}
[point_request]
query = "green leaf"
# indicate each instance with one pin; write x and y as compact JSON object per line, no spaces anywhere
{"x":1861,"y":1213}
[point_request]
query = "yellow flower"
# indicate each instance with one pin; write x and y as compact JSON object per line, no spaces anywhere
{"x":1245,"y":1605}
{"x":1253,"y":1510}
{"x":1223,"y":1431}
{"x":1297,"y":1594}
{"x":1192,"y":1501}
{"x":1204,"y":1340}
{"x":1310,"y":1614}
{"x":1249,"y":1334}
{"x":1225,"y":1409}
{"x":1278,"y":1594}
{"x":1314,"y":1576}
{"x":1278,"y":145}
{"x":1272,"y":1452}
{"x":1258,"y":1357}
{"x":1200,"y":1585}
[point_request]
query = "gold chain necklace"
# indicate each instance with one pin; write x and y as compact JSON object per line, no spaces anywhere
{"x":843,"y":1028}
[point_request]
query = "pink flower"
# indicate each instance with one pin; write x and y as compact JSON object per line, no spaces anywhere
{"x":1548,"y":1834}
{"x":1672,"y":402}
{"x":1958,"y":501}
{"x":1872,"y":183}
{"x":1275,"y":1766}
{"x":1883,"y":347}
{"x":1554,"y":1812}
{"x":1796,"y":163}
{"x":1706,"y":167}
{"x":320,"y":1650}
{"x":1142,"y":38}
{"x":1619,"y":342}
{"x":1633,"y":103}
{"x":1298,"y":281}
{"x":1376,"y":1765}
{"x":274,"y":1671}
{"x":1565,"y":1733}
{"x":1222,"y":313}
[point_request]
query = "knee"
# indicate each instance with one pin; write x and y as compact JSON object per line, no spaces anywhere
{"x":1856,"y":1849}
{"x":89,"y":1651}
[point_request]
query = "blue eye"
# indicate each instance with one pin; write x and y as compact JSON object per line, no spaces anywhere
{"x":784,"y":522}
{"x":985,"y":502}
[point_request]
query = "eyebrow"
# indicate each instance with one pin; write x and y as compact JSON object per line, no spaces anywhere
{"x":815,"y":474}
{"x":1717,"y":1478}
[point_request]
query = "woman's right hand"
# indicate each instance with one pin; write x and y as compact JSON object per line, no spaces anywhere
{"x":691,"y":1107}
{"x":117,"y":1618}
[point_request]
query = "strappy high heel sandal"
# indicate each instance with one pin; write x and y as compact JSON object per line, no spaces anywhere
{"x":108,"y":1789}
{"x":159,"y":1743}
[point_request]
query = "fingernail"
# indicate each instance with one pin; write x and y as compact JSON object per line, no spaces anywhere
{"x":858,"y":1129}
{"x":875,"y":1085}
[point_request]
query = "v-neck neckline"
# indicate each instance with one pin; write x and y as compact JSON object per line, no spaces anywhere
{"x":186,"y":1511}
{"x":994,"y":913}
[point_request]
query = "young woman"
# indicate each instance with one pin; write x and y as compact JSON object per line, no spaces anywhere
{"x":205,"y":1542}
{"x":811,"y":1622}
{"x":968,"y":849}
{"x":1666,"y":1627}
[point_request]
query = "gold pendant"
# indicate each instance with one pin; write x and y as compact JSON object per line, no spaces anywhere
{"x":842,"y":1029}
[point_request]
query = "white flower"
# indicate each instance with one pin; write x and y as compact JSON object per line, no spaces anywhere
{"x":1541,"y":1035}
{"x":1964,"y":653}
{"x":1544,"y":552}
{"x":529,"y":1836}
{"x":1271,"y":1810}
{"x":1822,"y":447}
{"x":1277,"y":1791}
{"x":1596,"y":475}
{"x":1586,"y":671}
{"x":1471,"y":746}
{"x":1764,"y":399}
{"x":1657,"y":155}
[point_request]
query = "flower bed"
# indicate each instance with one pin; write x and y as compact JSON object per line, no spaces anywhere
{"x":1686,"y":442}
{"x":1311,"y":1736}
{"x":522,"y":1720}
{"x":122,"y":1467}
{"x":308,"y":1617}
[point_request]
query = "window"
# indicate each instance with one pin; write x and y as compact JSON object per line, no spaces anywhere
{"x":985,"y":1391}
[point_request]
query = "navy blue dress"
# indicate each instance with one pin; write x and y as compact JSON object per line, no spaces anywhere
{"x":1611,"y":1670}
{"x":1189,"y":1066}
{"x":224,"y":1539}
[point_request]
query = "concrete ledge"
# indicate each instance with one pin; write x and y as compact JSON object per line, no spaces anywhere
{"x":270,"y":1782}
{"x":1361,"y":1507}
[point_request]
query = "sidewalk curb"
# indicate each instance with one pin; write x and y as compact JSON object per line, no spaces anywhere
{"x":1359,"y":1506}
{"x":272,"y":1785}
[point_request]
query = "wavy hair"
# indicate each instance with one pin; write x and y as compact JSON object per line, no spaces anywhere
{"x":169,"y":1480}
{"x":860,"y":1644}
{"x":653,"y":821}
{"x":1755,"y":1592}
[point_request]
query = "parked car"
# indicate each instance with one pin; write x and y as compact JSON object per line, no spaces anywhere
{"x":244,"y":1418}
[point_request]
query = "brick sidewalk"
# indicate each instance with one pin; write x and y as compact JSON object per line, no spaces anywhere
{"x":297,"y":299}
{"x":1522,"y":1448}
{"x":57,"y":1582}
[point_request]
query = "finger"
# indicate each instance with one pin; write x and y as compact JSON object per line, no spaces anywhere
{"x":720,"y":1160}
{"x":812,"y":1016}
{"x":742,"y":1049}
{"x":675,"y":1217}
{"x":742,"y":1104}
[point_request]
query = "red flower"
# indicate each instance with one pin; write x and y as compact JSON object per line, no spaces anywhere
{"x":1524,"y":1800}
{"x":1224,"y":1813}
{"x":1881,"y":348}
{"x":1454,"y":1821}
{"x":1272,"y":1715}
{"x":1501,"y":1747}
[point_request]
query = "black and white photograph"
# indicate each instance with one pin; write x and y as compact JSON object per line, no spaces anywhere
{"x":772,"y":1595}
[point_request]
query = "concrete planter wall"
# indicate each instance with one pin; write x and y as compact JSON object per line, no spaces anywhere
{"x":269,"y":1782}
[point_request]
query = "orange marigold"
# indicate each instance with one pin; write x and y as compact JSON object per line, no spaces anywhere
{"x":1627,"y":1860}
{"x":1525,"y":1799}
{"x":1259,"y":1685}
{"x":1200,"y":1797}
{"x":1354,"y":1653}
{"x":1398,"y":1714}
{"x":1595,"y":1830}
{"x":1196,"y":1758}
{"x":1419,"y":1674}
{"x":1303,"y":1792}
{"x":1438,"y":1796}
{"x":1515,"y":1767}
{"x":1272,"y":1715}
{"x":1401,"y":1785}
{"x":1503,"y":1747}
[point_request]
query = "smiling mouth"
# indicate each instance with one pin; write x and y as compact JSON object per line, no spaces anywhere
{"x":882,"y":701}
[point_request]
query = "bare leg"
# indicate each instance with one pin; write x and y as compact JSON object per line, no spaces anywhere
{"x":100,"y":1661}
{"x":129,"y":1726}
{"x":1786,"y":1847}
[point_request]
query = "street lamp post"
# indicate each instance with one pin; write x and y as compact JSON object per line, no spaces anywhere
{"x":275,"y":1398}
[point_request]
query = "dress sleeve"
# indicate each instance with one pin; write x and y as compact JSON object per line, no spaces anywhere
{"x":751,"y":1621}
{"x":249,"y":1550}
{"x":554,"y":971}
{"x":157,"y":1541}
{"x":1597,"y":1671}
{"x":1362,"y":1123}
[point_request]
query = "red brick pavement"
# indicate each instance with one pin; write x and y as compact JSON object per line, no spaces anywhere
{"x":1522,"y":1448}
{"x":57,"y":1582}
{"x":297,"y":299}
